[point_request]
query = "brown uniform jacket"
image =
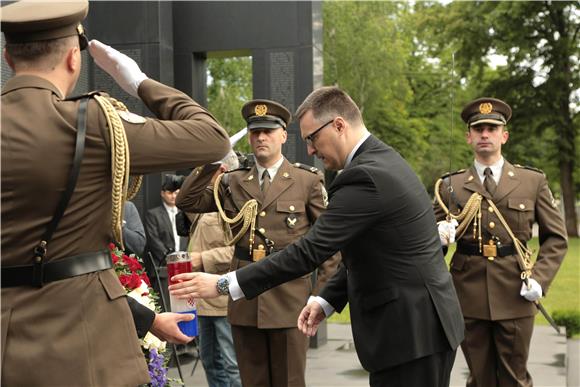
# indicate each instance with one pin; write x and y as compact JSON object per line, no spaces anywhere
{"x":79,"y":330}
{"x":294,"y":192}
{"x":208,"y":239}
{"x":490,"y":290}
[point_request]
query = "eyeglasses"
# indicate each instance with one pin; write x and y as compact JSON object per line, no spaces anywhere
{"x":310,"y":138}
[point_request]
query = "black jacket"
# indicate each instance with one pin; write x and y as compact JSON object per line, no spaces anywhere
{"x":402,"y":302}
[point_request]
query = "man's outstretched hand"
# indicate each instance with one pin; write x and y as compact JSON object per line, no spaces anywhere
{"x":310,"y":318}
{"x":196,"y":285}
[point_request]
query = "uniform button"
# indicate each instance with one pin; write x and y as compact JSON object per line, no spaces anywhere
{"x":511,"y":174}
{"x":263,"y":213}
{"x":490,"y":209}
{"x":491,"y":224}
{"x":260,"y":247}
{"x":292,"y":208}
{"x":262,"y":230}
{"x":522,"y":206}
{"x":38,"y":259}
{"x":286,"y":174}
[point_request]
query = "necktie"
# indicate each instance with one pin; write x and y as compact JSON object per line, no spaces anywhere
{"x":265,"y":181}
{"x":488,"y":182}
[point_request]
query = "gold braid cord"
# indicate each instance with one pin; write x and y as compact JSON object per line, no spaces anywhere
{"x":246,"y":216}
{"x":524,"y":254}
{"x":472,"y":210}
{"x":120,"y":164}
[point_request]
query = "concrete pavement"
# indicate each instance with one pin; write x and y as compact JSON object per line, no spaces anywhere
{"x":336,"y":364}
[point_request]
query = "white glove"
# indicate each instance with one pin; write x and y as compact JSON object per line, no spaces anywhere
{"x":447,"y":231}
{"x":123,"y":69}
{"x":533,"y":292}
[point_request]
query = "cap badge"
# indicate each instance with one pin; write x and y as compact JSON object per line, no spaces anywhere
{"x":485,"y":108}
{"x":261,"y":110}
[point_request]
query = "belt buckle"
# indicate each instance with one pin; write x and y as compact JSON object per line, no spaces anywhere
{"x":258,"y":254}
{"x":490,"y":250}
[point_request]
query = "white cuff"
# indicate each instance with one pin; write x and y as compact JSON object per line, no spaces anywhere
{"x":235,"y":291}
{"x":326,"y":307}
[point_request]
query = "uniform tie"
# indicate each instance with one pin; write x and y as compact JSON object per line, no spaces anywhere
{"x":265,"y":181}
{"x":488,"y":182}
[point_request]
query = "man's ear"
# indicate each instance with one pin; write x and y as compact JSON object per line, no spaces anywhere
{"x":73,"y":59}
{"x":8,"y":59}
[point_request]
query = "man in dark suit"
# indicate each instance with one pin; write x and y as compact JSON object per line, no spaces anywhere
{"x":162,"y":237}
{"x":405,"y":315}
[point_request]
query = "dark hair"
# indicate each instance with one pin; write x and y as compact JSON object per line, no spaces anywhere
{"x":327,"y":102}
{"x":172,"y":182}
{"x":44,"y":54}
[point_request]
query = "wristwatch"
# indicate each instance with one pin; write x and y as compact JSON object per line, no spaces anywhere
{"x":223,"y":285}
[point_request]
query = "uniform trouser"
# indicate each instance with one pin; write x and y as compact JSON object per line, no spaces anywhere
{"x":497,"y":352}
{"x":431,"y":371}
{"x":270,"y":357}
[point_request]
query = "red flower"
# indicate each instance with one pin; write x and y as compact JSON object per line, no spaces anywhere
{"x":133,"y":263}
{"x":125,"y":279}
{"x":135,"y":281}
{"x":112,"y":246}
{"x":145,"y":278}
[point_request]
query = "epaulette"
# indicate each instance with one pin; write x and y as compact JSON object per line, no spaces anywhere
{"x":448,"y":174}
{"x":239,"y":169}
{"x":529,"y":168}
{"x":306,"y":167}
{"x":85,"y":95}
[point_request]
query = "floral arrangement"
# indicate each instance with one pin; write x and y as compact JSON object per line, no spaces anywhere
{"x":134,"y":279}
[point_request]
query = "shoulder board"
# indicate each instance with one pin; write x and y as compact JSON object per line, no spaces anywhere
{"x":238,"y":169}
{"x":452,"y":173}
{"x":81,"y":96}
{"x":306,"y":167}
{"x":529,"y":168}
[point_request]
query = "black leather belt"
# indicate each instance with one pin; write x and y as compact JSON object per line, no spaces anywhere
{"x":58,"y":270}
{"x":471,"y":249}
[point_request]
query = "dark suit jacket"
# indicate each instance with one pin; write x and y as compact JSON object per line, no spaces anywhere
{"x":402,"y":302}
{"x":160,"y":234}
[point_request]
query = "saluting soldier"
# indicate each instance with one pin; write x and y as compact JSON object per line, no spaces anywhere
{"x":65,"y":317}
{"x":496,"y":203}
{"x":275,"y":202}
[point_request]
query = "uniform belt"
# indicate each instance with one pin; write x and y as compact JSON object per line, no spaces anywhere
{"x":471,"y":249}
{"x":244,"y":254}
{"x":58,"y":270}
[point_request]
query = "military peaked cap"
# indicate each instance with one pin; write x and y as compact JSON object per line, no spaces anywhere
{"x":30,"y":21}
{"x":486,"y":110}
{"x":265,"y":114}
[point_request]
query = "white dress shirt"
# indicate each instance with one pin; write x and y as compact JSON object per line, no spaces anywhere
{"x":495,"y":169}
{"x":171,"y":212}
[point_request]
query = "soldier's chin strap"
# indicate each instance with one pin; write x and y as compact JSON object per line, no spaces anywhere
{"x":246,"y":216}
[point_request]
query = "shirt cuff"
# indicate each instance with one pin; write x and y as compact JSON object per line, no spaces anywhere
{"x":235,"y":290}
{"x":326,"y":307}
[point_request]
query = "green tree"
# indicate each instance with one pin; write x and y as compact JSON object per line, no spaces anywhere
{"x":229,"y":87}
{"x":540,"y":80}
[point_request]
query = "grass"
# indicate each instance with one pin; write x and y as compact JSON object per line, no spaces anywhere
{"x":564,"y":293}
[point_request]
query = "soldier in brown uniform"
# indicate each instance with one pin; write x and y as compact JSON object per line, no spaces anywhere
{"x":65,"y":318}
{"x":269,"y":348}
{"x":498,"y":308}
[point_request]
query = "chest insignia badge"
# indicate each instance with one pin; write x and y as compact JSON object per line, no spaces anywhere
{"x":291,"y":221}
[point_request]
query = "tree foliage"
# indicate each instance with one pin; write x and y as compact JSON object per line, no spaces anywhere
{"x":540,"y":80}
{"x":229,"y":87}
